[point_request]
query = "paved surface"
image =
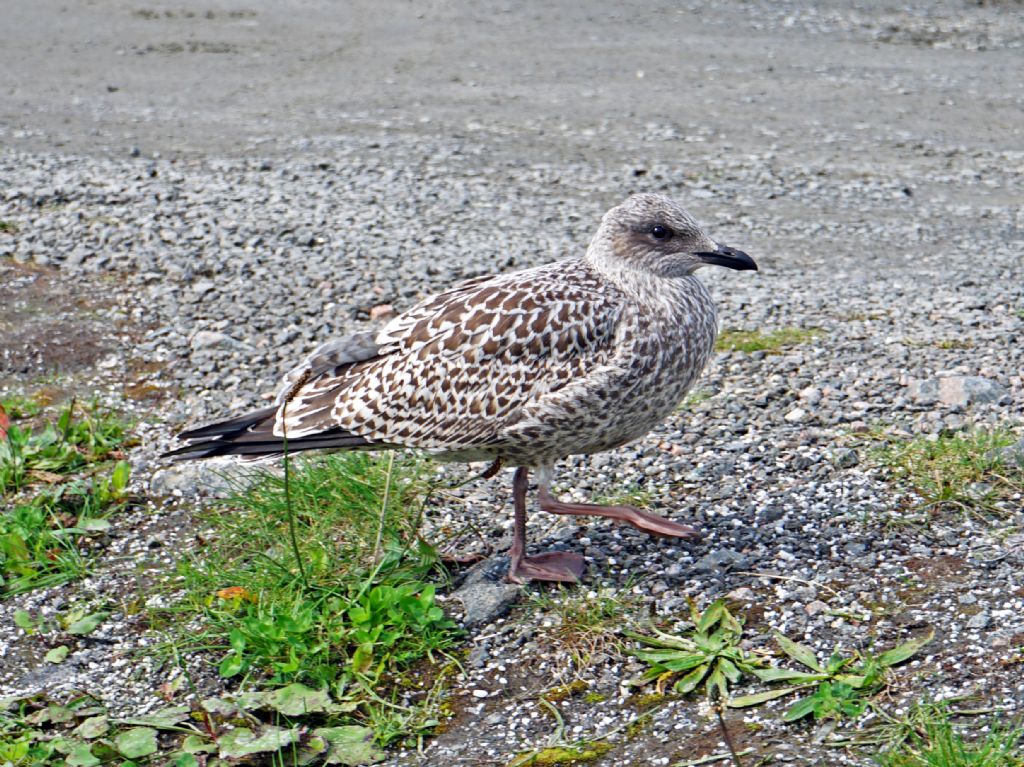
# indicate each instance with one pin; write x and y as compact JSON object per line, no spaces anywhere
{"x":571,"y":79}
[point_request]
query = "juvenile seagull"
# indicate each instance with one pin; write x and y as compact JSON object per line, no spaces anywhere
{"x":523,"y":369}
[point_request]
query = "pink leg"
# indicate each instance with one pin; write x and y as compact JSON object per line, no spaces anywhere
{"x":641,"y":520}
{"x":560,"y":566}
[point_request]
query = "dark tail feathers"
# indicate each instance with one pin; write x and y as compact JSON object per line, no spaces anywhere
{"x":253,"y":435}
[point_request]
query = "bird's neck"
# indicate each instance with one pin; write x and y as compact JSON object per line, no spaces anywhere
{"x":665,"y":295}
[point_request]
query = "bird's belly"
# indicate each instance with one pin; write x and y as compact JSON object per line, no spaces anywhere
{"x":624,"y":410}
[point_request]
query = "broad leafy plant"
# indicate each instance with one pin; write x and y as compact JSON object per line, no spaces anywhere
{"x":841,"y":687}
{"x":710,"y":654}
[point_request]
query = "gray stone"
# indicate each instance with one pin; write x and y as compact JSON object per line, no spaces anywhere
{"x":811,"y":395}
{"x":210,"y":339}
{"x":969,"y":390}
{"x":485,"y":594}
{"x":719,"y":559}
{"x":817,"y":607}
{"x":846,"y":458}
{"x":980,"y":621}
{"x":955,"y":391}
{"x":478,"y":657}
{"x":802,"y":462}
{"x":1013,"y":454}
{"x":796,"y":415}
{"x":742,"y":594}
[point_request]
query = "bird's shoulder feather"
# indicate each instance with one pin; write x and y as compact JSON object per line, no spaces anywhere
{"x":558,"y":308}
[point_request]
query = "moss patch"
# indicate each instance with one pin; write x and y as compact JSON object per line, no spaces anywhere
{"x":772,"y":341}
{"x":646,"y":702}
{"x":580,"y":753}
{"x":571,"y":690}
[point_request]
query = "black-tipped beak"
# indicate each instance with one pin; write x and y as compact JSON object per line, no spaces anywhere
{"x":728,"y":257}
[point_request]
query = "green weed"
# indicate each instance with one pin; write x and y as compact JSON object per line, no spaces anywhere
{"x":81,"y":732}
{"x":44,"y":533}
{"x":771,"y":341}
{"x":565,"y":691}
{"x":954,"y":343}
{"x":959,"y":472}
{"x":42,"y":540}
{"x":840,"y":688}
{"x":324,"y":654}
{"x":8,"y":227}
{"x":710,"y":654}
{"x":693,"y":399}
{"x":580,"y":752}
{"x":18,"y":406}
{"x":62,"y":447}
{"x":628,"y":495}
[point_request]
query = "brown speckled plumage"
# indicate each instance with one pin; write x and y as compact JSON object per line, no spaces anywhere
{"x":577,"y":356}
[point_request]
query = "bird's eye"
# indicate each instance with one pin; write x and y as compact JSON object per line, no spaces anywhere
{"x":660,"y":232}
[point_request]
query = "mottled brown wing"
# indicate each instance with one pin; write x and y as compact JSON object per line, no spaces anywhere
{"x":456,"y":370}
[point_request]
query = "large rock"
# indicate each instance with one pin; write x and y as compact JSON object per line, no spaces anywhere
{"x":955,"y":391}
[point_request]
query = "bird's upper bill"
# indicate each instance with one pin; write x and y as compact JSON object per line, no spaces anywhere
{"x":728,"y":257}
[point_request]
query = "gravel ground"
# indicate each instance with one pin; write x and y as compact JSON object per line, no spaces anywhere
{"x":867,"y":158}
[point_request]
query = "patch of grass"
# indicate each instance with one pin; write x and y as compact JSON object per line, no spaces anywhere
{"x":771,"y":341}
{"x":79,"y":437}
{"x":565,"y":691}
{"x":627,"y":495}
{"x":954,"y":343}
{"x":344,"y":605}
{"x":942,"y":343}
{"x":940,"y":743}
{"x":694,"y":398}
{"x":44,"y":540}
{"x":580,"y":752}
{"x":960,"y":472}
{"x":327,"y":631}
{"x":8,"y":227}
{"x":59,"y":484}
{"x":19,"y":406}
{"x":585,"y":622}
{"x":647,"y":701}
{"x":710,"y":654}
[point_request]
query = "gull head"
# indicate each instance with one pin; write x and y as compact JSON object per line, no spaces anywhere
{"x":653,"y":233}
